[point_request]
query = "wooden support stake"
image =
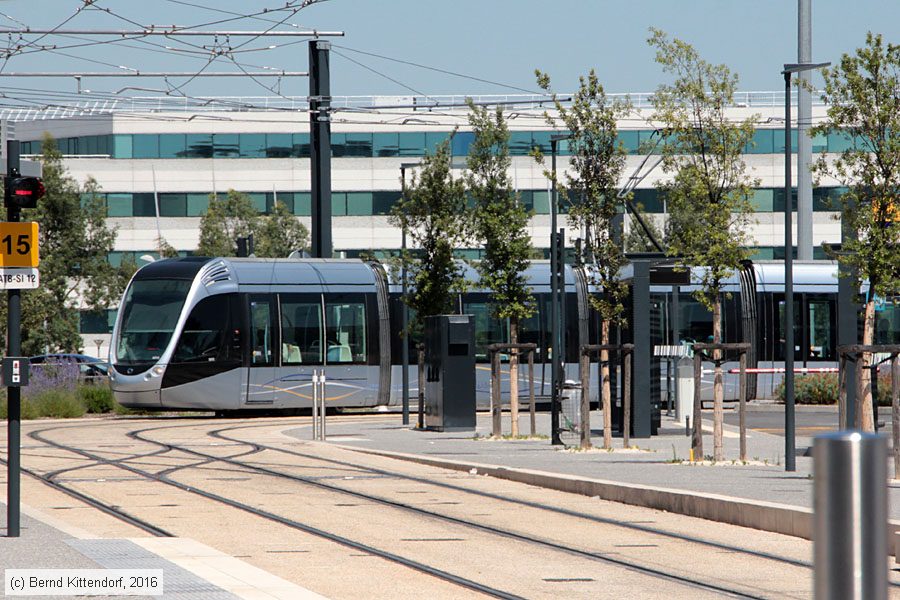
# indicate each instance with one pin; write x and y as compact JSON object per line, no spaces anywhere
{"x":860,"y":393}
{"x":514,"y":392}
{"x":842,"y":391}
{"x":496,"y":400}
{"x":585,"y":365}
{"x":697,"y":436}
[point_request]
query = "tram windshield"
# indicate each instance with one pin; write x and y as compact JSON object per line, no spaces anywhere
{"x":149,"y":314}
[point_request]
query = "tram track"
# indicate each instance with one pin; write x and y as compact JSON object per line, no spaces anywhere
{"x":524,"y":503}
{"x":455,"y":520}
{"x":344,"y":541}
{"x":255,"y":448}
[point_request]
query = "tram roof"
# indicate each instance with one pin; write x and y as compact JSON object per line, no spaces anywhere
{"x":266,"y":271}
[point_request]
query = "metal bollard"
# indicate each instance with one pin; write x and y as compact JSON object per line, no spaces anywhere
{"x":315,"y":404}
{"x":322,"y":397}
{"x":850,"y":524}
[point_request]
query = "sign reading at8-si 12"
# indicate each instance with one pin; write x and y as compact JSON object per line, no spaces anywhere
{"x":19,"y":278}
{"x":19,"y":245}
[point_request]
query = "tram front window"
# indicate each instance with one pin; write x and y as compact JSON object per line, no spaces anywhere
{"x":149,"y":313}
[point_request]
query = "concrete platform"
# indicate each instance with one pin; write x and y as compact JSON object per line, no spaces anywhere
{"x":191,"y":571}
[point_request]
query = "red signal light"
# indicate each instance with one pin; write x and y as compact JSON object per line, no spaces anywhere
{"x":23,"y":192}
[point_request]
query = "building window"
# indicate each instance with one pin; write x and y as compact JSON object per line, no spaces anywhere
{"x":145,"y":146}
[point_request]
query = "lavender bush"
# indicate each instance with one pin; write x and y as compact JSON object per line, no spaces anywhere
{"x":56,"y":376}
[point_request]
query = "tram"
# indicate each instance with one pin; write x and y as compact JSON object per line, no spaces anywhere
{"x":229,"y":334}
{"x":246,"y":333}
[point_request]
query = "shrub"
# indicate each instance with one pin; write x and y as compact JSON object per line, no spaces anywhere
{"x":96,"y":398}
{"x":821,"y":388}
{"x":45,"y":377}
{"x":57,"y":403}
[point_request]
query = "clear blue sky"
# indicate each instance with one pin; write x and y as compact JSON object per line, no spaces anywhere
{"x":500,"y":41}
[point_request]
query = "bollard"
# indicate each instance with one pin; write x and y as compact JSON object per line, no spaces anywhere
{"x":850,"y":524}
{"x":322,"y":408}
{"x":315,"y":404}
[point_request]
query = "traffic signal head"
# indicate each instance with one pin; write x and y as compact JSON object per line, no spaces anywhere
{"x":22,"y":192}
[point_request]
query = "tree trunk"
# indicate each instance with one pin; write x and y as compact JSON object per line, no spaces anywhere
{"x":718,"y":387}
{"x":864,"y":381}
{"x":514,"y":377}
{"x":605,"y":391}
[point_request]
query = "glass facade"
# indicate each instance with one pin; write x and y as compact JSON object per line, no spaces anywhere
{"x":356,"y":203}
{"x":370,"y":145}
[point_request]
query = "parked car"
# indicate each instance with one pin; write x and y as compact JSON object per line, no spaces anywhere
{"x":89,"y":367}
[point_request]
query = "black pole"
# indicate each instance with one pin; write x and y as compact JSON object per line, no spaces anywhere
{"x":554,"y":297}
{"x":404,"y":310}
{"x":320,"y":147}
{"x":13,"y":393}
{"x":789,"y":450}
{"x":848,"y":320}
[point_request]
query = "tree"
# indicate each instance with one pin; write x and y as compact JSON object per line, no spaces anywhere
{"x":226,"y":220}
{"x":281,"y":233}
{"x":166,"y":250}
{"x":501,"y":222}
{"x":709,"y":189}
{"x":234,"y":216}
{"x":433,"y":213}
{"x":636,"y":239}
{"x":597,"y":161}
{"x":75,"y":272}
{"x":863,"y":96}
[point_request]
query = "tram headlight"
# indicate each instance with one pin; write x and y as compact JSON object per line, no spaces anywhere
{"x":157,"y":371}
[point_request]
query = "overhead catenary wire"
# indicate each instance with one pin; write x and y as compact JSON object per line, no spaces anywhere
{"x":436,"y":69}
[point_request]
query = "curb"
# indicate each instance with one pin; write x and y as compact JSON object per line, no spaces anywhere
{"x":785,"y":519}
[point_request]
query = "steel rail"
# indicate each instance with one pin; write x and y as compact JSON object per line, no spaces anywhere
{"x":479,"y":526}
{"x":99,"y":505}
{"x":421,"y":567}
{"x":525,"y":503}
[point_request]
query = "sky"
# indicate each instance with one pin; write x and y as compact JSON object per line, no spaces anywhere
{"x":464,"y":47}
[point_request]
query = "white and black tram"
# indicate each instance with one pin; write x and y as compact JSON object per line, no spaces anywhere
{"x":246,"y":333}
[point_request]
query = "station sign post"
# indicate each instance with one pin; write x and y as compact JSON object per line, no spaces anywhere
{"x":18,"y":270}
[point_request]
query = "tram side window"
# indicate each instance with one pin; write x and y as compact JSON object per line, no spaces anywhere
{"x":301,"y":331}
{"x":345,"y":329}
{"x":821,"y":344}
{"x":261,"y":332}
{"x":887,"y":324}
{"x":695,"y":321}
{"x":488,"y":329}
{"x":208,"y":333}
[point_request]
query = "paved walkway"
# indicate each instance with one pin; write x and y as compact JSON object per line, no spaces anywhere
{"x":191,"y":571}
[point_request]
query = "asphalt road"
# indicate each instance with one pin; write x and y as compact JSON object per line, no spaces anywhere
{"x":810,"y":420}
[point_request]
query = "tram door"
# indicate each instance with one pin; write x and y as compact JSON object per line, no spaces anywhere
{"x":261,"y":380}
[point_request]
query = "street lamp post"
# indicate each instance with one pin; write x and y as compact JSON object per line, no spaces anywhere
{"x":790,"y":452}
